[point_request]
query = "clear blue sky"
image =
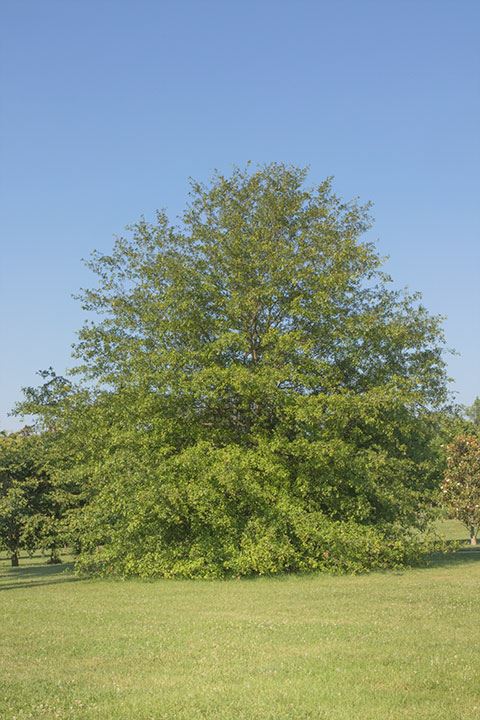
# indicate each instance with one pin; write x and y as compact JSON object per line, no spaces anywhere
{"x":109,"y":106}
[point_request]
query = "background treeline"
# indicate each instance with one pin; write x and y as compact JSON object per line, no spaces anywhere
{"x":251,"y":395}
{"x":34,"y":503}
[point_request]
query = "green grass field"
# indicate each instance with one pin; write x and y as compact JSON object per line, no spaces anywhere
{"x":387,"y":646}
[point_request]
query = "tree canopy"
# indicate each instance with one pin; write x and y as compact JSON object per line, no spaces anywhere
{"x":253,"y":394}
{"x":473,"y":413}
{"x":30,"y":508}
{"x":461,"y":485}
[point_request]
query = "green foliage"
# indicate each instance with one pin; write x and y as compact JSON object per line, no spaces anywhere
{"x":473,"y":413}
{"x":252,"y":392}
{"x":461,"y":485}
{"x":25,"y":501}
{"x":209,"y":511}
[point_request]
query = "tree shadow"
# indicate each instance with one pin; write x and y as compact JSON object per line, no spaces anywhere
{"x":37,"y":575}
{"x":466,"y":555}
{"x":18,"y":585}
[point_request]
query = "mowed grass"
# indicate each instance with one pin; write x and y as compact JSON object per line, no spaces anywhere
{"x":386,"y":646}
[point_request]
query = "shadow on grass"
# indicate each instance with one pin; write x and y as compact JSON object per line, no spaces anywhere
{"x":36,"y":576}
{"x":465,"y":555}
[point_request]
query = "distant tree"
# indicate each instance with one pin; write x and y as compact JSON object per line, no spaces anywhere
{"x":461,"y":485}
{"x":54,"y":524}
{"x":31,"y":505}
{"x":473,"y":412}
{"x":22,"y":481}
{"x":253,"y":394}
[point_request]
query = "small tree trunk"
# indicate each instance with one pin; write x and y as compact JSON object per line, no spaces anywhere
{"x":54,"y":558}
{"x":473,"y":535}
{"x":14,"y":559}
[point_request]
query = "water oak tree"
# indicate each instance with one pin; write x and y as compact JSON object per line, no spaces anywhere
{"x":254,"y":395}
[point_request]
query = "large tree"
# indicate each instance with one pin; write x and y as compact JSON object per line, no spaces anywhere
{"x":254,"y":395}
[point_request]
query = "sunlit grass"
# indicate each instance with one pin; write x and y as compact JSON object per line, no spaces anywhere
{"x":393,"y":645}
{"x":453,"y":530}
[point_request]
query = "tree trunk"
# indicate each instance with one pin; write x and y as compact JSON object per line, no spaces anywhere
{"x":54,"y":558}
{"x":14,"y":559}
{"x":473,"y":536}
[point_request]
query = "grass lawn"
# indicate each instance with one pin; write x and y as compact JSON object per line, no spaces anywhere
{"x":387,"y":646}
